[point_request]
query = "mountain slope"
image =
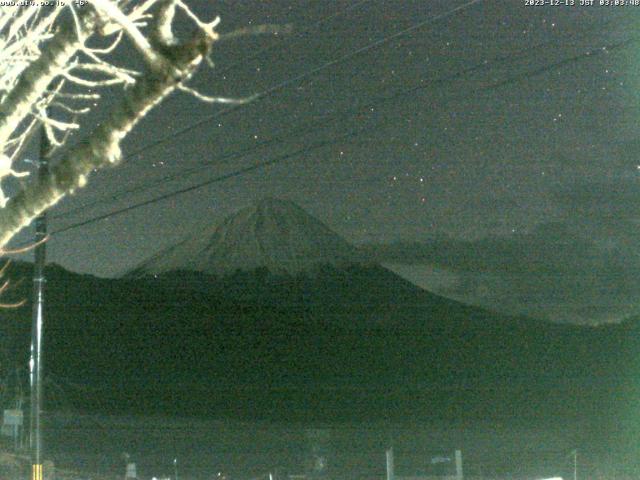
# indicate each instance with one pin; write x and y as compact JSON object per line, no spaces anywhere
{"x":274,"y":234}
{"x":353,"y":341}
{"x":271,"y":313}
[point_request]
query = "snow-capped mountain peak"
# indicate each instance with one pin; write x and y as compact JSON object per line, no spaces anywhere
{"x":274,"y":234}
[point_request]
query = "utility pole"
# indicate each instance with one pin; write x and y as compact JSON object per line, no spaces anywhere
{"x":459,"y":474}
{"x":390,"y":464}
{"x":37,"y":318}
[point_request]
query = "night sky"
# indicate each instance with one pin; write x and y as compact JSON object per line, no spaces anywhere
{"x":500,"y":123}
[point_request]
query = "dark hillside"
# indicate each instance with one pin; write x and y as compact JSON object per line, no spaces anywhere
{"x":346,"y":342}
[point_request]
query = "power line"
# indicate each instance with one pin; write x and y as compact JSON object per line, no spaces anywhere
{"x":302,"y":76}
{"x":261,"y":96}
{"x":299,"y":34}
{"x":217,"y":179}
{"x":349,"y":112}
{"x":351,"y":134}
{"x":279,"y":86}
{"x":300,"y":130}
{"x":562,"y":63}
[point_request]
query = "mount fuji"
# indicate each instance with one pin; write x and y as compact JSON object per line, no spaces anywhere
{"x":273,"y":234}
{"x":274,"y":253}
{"x":270,"y":312}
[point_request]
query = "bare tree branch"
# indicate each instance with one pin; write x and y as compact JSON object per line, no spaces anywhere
{"x":265,"y":29}
{"x":102,"y":147}
{"x":37,"y":77}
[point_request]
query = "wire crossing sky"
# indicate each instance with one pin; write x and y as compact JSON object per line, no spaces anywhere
{"x":378,"y":102}
{"x":473,"y":127}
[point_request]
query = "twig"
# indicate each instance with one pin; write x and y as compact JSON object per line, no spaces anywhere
{"x":257,"y":30}
{"x":15,"y":251}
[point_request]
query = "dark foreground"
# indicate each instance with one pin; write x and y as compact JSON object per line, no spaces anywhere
{"x":352,"y":360}
{"x":94,"y":445}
